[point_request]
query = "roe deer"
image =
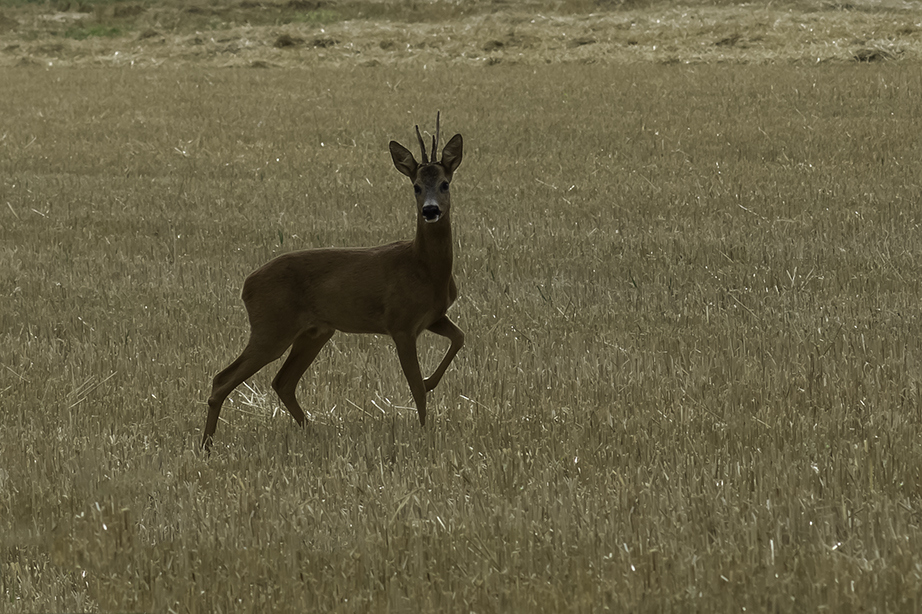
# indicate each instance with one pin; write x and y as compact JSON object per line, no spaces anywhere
{"x":301,"y":299}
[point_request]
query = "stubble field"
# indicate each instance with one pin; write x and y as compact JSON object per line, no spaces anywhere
{"x":691,"y":293}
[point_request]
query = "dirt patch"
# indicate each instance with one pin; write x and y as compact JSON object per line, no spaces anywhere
{"x":873,"y":54}
{"x":287,"y":40}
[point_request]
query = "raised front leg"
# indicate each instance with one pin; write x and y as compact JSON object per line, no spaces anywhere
{"x":406,"y":352}
{"x":446,"y":328}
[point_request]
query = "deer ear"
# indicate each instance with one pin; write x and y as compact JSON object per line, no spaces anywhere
{"x":451,"y":155}
{"x":403,"y":160}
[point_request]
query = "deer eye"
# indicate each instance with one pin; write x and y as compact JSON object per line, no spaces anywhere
{"x":417,"y":189}
{"x":444,"y":186}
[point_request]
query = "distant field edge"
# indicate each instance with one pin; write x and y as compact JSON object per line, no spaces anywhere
{"x":306,"y":33}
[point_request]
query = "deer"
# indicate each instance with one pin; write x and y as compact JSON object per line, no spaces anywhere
{"x":301,"y":299}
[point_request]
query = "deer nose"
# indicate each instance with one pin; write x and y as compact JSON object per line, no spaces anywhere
{"x":432,"y":213}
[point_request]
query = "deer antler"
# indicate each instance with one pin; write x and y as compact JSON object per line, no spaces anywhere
{"x":435,"y":139}
{"x":422,"y":146}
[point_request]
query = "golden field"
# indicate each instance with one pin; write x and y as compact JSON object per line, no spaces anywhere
{"x":689,"y":279}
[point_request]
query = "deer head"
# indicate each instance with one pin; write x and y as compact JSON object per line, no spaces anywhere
{"x":431,"y":179}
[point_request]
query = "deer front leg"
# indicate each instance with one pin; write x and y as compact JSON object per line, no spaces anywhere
{"x":446,"y":328}
{"x":406,"y":352}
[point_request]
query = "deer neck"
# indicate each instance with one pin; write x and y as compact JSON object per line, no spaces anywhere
{"x":433,"y":246}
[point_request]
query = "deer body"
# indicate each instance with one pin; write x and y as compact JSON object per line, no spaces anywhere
{"x":377,"y":290}
{"x":301,"y":299}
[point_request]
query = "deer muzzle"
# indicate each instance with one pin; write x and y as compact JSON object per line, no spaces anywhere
{"x":432,"y":213}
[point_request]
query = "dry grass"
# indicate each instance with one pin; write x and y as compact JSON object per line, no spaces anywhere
{"x":363,"y":32}
{"x":691,"y":379}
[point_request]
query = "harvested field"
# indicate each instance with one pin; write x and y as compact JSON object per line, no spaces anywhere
{"x":687,"y":245}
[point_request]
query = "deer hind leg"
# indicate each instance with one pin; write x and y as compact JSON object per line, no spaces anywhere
{"x":303,"y":352}
{"x":446,"y":328}
{"x":406,"y":352}
{"x":256,"y":355}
